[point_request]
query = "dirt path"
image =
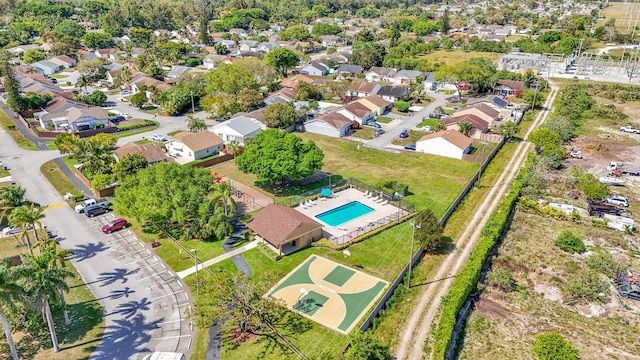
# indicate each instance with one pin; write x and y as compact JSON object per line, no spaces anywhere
{"x":419,"y":323}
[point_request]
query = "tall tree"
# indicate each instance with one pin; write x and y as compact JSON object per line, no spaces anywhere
{"x":368,"y":54}
{"x":282,"y":59}
{"x":195,"y":124}
{"x":12,"y":87}
{"x":43,"y":280}
{"x":29,"y":217}
{"x":465,"y":128}
{"x":444,"y":22}
{"x":230,"y":78}
{"x":66,"y":143}
{"x":10,"y":294}
{"x":11,"y":197}
{"x":280,"y":116}
{"x":428,"y":233}
{"x":275,"y":155}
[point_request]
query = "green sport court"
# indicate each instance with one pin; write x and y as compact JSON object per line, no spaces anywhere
{"x":328,"y":293}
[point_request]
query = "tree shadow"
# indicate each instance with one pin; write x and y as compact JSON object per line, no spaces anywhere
{"x":119,"y":274}
{"x":131,"y":308}
{"x":87,"y":251}
{"x":84,"y":316}
{"x":126,"y":338}
{"x":446,"y":246}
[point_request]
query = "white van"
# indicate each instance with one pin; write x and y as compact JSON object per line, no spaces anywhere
{"x":165,"y":356}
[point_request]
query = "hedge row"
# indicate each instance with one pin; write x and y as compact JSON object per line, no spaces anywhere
{"x":136,"y":125}
{"x":467,"y":279}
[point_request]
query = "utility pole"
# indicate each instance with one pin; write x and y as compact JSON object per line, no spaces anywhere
{"x":413,"y":236}
{"x":535,"y":94}
{"x":192,"y":104}
{"x":484,"y":145}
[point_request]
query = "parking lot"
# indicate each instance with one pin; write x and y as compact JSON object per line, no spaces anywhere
{"x":149,"y":302}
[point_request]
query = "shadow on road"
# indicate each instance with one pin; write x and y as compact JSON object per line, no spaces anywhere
{"x":126,"y":338}
{"x":87,"y":251}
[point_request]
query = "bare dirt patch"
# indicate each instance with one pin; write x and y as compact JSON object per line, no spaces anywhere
{"x":491,"y":309}
{"x":239,"y":336}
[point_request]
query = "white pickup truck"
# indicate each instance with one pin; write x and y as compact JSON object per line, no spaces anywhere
{"x":90,"y":202}
{"x":630,"y":129}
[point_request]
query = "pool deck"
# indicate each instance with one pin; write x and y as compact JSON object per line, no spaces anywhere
{"x":344,"y":197}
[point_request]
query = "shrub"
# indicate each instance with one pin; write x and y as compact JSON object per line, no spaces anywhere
{"x":553,"y":346}
{"x":125,"y":127}
{"x":568,"y":242}
{"x":592,"y":188}
{"x":502,"y":279}
{"x":402,"y":106}
{"x":602,"y":262}
{"x":586,"y":286}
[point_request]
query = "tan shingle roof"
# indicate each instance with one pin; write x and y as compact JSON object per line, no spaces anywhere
{"x":484,"y":108}
{"x":455,"y":137}
{"x":378,"y":101}
{"x":474,"y":120}
{"x":357,"y":109}
{"x":335,"y":119}
{"x":275,"y":223}
{"x":151,"y":151}
{"x":199,"y":140}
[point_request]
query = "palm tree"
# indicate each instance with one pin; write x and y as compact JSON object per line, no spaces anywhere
{"x":10,"y":293}
{"x":67,"y":143}
{"x":29,"y":218}
{"x":10,"y":198}
{"x":465,"y":128}
{"x":58,"y":257}
{"x":83,"y":80}
{"x":42,"y":280}
{"x":96,"y":157}
{"x":19,"y":219}
{"x":234,"y":147}
{"x":196,"y":124}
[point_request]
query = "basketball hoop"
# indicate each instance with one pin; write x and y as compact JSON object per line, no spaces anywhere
{"x":346,"y":253}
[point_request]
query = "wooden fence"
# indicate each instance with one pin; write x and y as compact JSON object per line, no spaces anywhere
{"x":99,"y":193}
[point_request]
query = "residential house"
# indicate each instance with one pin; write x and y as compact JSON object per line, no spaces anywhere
{"x":23,"y":48}
{"x":363,"y":89}
{"x":283,"y":96}
{"x":479,"y":125}
{"x":376,"y":104}
{"x":449,"y":143}
{"x":47,"y":67}
{"x":293,"y":81}
{"x":248,"y":46}
{"x":409,"y":76}
{"x":381,"y":74}
{"x":38,"y":84}
{"x":57,"y":104}
{"x":332,"y":124}
{"x":112,"y":75}
{"x":284,"y":228}
{"x":161,"y":32}
{"x":76,"y":119}
{"x":239,"y":31}
{"x":64,"y":61}
{"x":394,"y":93}
{"x":124,"y":39}
{"x":175,"y":72}
{"x":212,"y":61}
{"x":109,"y":54}
{"x":509,"y":87}
{"x":239,"y":129}
{"x":113,"y":66}
{"x":356,"y":111}
{"x":315,"y":68}
{"x":191,"y":146}
{"x":347,"y":71}
{"x":135,"y":52}
{"x":267,"y":46}
{"x":481,"y":110}
{"x":329,"y":40}
{"x":151,"y":152}
{"x":430,"y":83}
{"x":141,"y":80}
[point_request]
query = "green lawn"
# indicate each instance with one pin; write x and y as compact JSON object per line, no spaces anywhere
{"x":384,"y":119}
{"x":17,"y":136}
{"x":364,"y":132}
{"x":455,"y":56}
{"x":135,"y":132}
{"x":414,"y":136}
{"x":433,"y":181}
{"x":59,"y":181}
{"x":428,"y":122}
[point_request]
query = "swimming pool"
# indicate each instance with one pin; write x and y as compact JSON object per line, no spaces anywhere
{"x":344,"y":213}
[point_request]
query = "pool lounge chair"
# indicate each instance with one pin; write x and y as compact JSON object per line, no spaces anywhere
{"x":366,"y":193}
{"x":375,"y":198}
{"x":384,"y":202}
{"x":311,"y":202}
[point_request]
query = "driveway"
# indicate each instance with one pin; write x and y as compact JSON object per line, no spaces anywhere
{"x":408,"y":122}
{"x":144,"y":302}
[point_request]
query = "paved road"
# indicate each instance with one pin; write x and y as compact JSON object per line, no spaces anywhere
{"x":410,"y":122}
{"x":144,"y":302}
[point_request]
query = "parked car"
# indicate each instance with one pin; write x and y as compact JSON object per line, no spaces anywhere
{"x":404,"y":134}
{"x":159,"y":138}
{"x":617,"y":200}
{"x":630,"y":291}
{"x":11,"y":230}
{"x":115,"y":225}
{"x":55,"y":81}
{"x":434,"y":116}
{"x":126,"y":115}
{"x":125,"y":92}
{"x":96,"y":210}
{"x":630,"y":129}
{"x":410,"y":147}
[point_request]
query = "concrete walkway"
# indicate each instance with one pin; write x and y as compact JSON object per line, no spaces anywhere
{"x":184,"y":273}
{"x":73,"y":178}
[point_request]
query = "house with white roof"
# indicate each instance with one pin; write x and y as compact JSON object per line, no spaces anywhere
{"x":449,"y":143}
{"x":333,"y":124}
{"x":240,"y":129}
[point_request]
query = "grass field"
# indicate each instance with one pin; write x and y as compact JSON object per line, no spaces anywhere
{"x":433,"y":181}
{"x":455,"y":56}
{"x":17,"y":136}
{"x":620,"y":11}
{"x":59,"y":181}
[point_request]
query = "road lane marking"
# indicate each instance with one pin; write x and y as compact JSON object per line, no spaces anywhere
{"x":54,"y":206}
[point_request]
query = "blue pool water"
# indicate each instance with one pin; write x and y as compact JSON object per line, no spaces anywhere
{"x":344,"y":213}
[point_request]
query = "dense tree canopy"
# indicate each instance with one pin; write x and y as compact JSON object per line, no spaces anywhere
{"x":230,"y":78}
{"x":178,"y":197}
{"x":280,"y":116}
{"x":282,"y":59}
{"x":275,"y":155}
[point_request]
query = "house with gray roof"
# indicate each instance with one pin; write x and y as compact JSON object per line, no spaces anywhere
{"x":381,"y":74}
{"x":47,"y":67}
{"x":394,"y":93}
{"x":267,"y":46}
{"x":315,"y":68}
{"x":76,"y":118}
{"x":347,"y":70}
{"x":248,"y":46}
{"x":408,"y":76}
{"x":176,"y":71}
{"x":240,"y":129}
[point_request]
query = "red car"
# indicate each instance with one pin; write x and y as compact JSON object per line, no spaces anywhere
{"x":114,"y":225}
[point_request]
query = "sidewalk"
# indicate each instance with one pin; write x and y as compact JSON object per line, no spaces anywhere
{"x":184,"y":273}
